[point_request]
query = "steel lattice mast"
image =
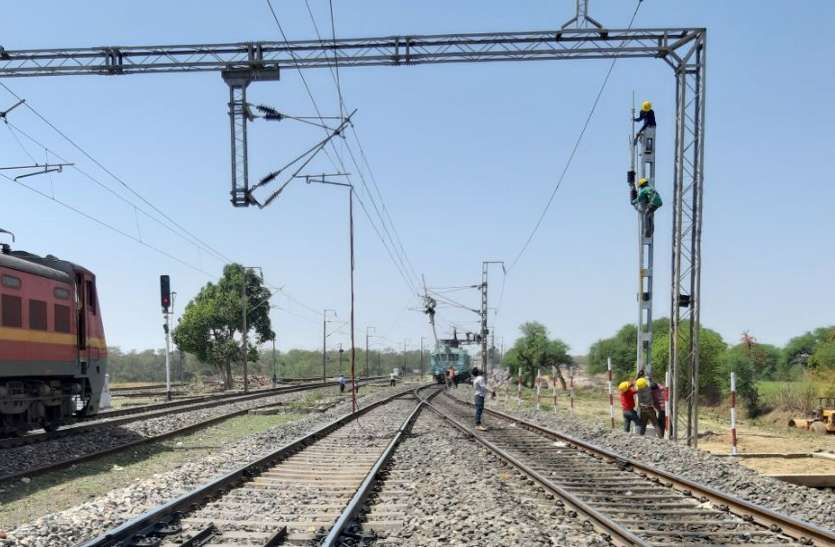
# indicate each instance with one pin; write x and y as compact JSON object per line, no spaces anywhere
{"x":683,"y":49}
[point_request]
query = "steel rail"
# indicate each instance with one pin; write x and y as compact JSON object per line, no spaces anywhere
{"x":804,"y":532}
{"x":145,"y":387}
{"x":103,"y":419}
{"x":57,"y":466}
{"x":610,"y":530}
{"x":174,"y":508}
{"x":355,"y":505}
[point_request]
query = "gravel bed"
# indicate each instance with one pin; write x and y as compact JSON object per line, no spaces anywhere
{"x":94,"y":517}
{"x":294,"y":504}
{"x":721,"y":473}
{"x":461,"y":494}
{"x":33,"y":456}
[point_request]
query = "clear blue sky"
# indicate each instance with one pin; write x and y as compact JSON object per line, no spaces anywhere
{"x":465,"y":156}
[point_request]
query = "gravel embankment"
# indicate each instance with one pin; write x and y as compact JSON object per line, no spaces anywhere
{"x":721,"y":473}
{"x":33,"y":456}
{"x":460,"y":494}
{"x":94,"y":517}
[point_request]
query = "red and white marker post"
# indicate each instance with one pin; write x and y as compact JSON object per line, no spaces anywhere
{"x":554,"y":385}
{"x":667,"y":405}
{"x":538,"y":386}
{"x":611,"y":394}
{"x":733,"y":414}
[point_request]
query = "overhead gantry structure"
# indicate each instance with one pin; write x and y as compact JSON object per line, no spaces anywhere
{"x":240,"y":64}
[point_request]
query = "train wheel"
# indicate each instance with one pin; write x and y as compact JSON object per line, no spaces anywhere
{"x":53,"y":419}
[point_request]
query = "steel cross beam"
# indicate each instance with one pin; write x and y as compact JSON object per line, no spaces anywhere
{"x":392,"y":51}
{"x":683,"y":49}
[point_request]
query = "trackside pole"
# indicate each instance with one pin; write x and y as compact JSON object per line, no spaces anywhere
{"x":667,"y":406}
{"x":733,"y":414}
{"x":538,"y":386}
{"x":611,"y":395}
{"x":571,"y":391}
{"x":518,"y":390}
{"x":554,"y":385}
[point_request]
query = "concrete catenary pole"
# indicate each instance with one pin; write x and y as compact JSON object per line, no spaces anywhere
{"x":733,"y":413}
{"x":554,"y":386}
{"x":538,"y":386}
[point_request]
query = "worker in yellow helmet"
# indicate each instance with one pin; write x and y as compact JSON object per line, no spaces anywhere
{"x":646,"y":200}
{"x":627,"y":404}
{"x":647,"y":116}
{"x":646,"y":405}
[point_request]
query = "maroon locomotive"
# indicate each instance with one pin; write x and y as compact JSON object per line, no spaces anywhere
{"x":53,"y":355}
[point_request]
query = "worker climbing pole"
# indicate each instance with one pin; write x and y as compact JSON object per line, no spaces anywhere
{"x":646,"y":200}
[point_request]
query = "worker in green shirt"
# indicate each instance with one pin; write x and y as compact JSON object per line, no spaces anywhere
{"x":646,"y":201}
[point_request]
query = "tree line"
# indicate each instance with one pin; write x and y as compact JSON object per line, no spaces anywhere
{"x":149,"y":365}
{"x":751,"y":361}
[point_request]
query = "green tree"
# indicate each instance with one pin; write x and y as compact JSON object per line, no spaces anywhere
{"x":711,"y":350}
{"x":797,"y":354}
{"x":622,"y":348}
{"x":824,"y":356}
{"x":212,"y":323}
{"x":750,"y":362}
{"x":533,"y":351}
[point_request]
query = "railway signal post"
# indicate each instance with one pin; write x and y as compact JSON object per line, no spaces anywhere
{"x":165,"y":302}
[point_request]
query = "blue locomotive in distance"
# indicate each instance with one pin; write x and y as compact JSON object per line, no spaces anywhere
{"x":448,"y":355}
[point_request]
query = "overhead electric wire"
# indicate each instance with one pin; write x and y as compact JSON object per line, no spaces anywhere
{"x":382,"y":201}
{"x":109,"y":226}
{"x":183,"y":233}
{"x":409,"y":283}
{"x":396,"y":242}
{"x":112,"y":174}
{"x":336,"y":62}
{"x":12,"y":128}
{"x":137,"y":209}
{"x":573,"y":151}
{"x":20,"y":144}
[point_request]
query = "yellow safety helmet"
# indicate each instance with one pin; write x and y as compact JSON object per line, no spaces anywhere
{"x":646,"y":106}
{"x":643,"y":182}
{"x":642,"y":383}
{"x":623,"y":386}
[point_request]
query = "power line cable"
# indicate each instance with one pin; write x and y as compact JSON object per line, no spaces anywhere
{"x":335,"y":77}
{"x":111,"y":173}
{"x":336,"y":63}
{"x":341,"y":162}
{"x":573,"y":151}
{"x":109,"y":226}
{"x":14,"y":128}
{"x":193,"y":240}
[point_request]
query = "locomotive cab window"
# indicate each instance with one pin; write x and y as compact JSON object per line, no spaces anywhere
{"x":91,"y":297}
{"x":37,"y":315}
{"x":11,"y":311}
{"x":62,"y":318}
{"x":10,"y":281}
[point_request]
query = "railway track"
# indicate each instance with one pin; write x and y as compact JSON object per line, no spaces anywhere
{"x":80,"y":458}
{"x":156,"y":410}
{"x":630,"y":502}
{"x":306,"y":492}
